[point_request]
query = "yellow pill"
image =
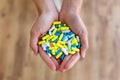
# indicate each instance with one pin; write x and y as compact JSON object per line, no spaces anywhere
{"x":54,"y":31}
{"x":53,"y":53}
{"x":54,"y":44}
{"x":61,"y":36}
{"x":65,"y":25}
{"x":65,"y":46}
{"x":59,"y":45}
{"x":75,"y":49}
{"x":45,"y":37}
{"x":53,"y":48}
{"x":58,"y":56}
{"x":71,"y":52}
{"x":64,"y":28}
{"x":59,"y":26}
{"x":59,"y":29}
{"x":41,"y":42}
{"x":56,"y":22}
{"x":61,"y":42}
{"x":49,"y":38}
{"x":55,"y":38}
{"x":74,"y":41}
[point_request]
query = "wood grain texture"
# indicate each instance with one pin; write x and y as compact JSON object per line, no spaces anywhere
{"x":102,"y":62}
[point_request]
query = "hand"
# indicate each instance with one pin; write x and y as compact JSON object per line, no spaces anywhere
{"x":75,"y":23}
{"x":40,"y":28}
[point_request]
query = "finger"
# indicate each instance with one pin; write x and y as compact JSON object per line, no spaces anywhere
{"x":84,"y":41}
{"x":55,"y":62}
{"x":72,"y":61}
{"x":33,"y":42}
{"x":62,"y":66}
{"x":47,"y":59}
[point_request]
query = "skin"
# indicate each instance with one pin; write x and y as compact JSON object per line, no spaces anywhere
{"x":47,"y":14}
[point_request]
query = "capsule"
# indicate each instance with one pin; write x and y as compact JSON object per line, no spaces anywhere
{"x":75,"y":49}
{"x":41,"y":42}
{"x":56,"y":22}
{"x":54,"y":38}
{"x":58,"y":56}
{"x":61,"y":36}
{"x":64,"y":28}
{"x":71,"y":52}
{"x":54,"y":31}
{"x":64,"y":51}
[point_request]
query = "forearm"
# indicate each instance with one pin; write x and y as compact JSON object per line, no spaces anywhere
{"x":45,"y":6}
{"x":72,"y":5}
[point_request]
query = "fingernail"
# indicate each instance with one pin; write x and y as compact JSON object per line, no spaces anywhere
{"x":35,"y":53}
{"x":83,"y":55}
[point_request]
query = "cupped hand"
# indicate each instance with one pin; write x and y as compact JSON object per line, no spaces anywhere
{"x":40,"y":28}
{"x":74,"y":21}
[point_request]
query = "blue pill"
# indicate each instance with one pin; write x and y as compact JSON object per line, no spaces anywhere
{"x":62,"y":57}
{"x":79,"y":45}
{"x":56,"y":40}
{"x":73,"y":45}
{"x":56,"y":25}
{"x":58,"y":52}
{"x":62,"y":25}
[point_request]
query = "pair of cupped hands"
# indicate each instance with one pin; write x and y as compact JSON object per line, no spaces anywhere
{"x":43,"y":24}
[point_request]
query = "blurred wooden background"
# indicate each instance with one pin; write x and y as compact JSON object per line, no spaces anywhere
{"x":102,"y":62}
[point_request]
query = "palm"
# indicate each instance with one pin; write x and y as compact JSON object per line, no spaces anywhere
{"x":41,"y":26}
{"x":77,"y":26}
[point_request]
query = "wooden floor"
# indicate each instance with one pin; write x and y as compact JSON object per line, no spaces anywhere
{"x":102,"y":62}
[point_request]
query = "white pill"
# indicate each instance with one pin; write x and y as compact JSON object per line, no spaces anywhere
{"x":69,"y":44}
{"x":64,"y":51}
{"x":45,"y":45}
{"x":49,"y":55}
{"x":66,"y":31}
{"x":51,"y":29}
{"x":78,"y":39}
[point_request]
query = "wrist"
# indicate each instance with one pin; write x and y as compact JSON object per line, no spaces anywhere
{"x":71,"y":6}
{"x":47,"y":11}
{"x":69,"y":13}
{"x":45,"y":6}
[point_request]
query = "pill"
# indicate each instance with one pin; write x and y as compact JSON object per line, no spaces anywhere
{"x":69,"y":44}
{"x":61,"y":36}
{"x":57,"y":52}
{"x":41,"y":42}
{"x":79,"y":45}
{"x":59,"y":45}
{"x":56,"y":22}
{"x":59,"y":55}
{"x":61,"y":42}
{"x":64,"y":28}
{"x":55,"y":38}
{"x":54,"y":31}
{"x":71,"y":52}
{"x":45,"y":37}
{"x":45,"y":45}
{"x":78,"y":39}
{"x":62,"y":57}
{"x":49,"y":38}
{"x":64,"y":51}
{"x":53,"y":48}
{"x":53,"y":53}
{"x":75,"y":49}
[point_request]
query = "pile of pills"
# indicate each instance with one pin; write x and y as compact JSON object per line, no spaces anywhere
{"x":60,"y":41}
